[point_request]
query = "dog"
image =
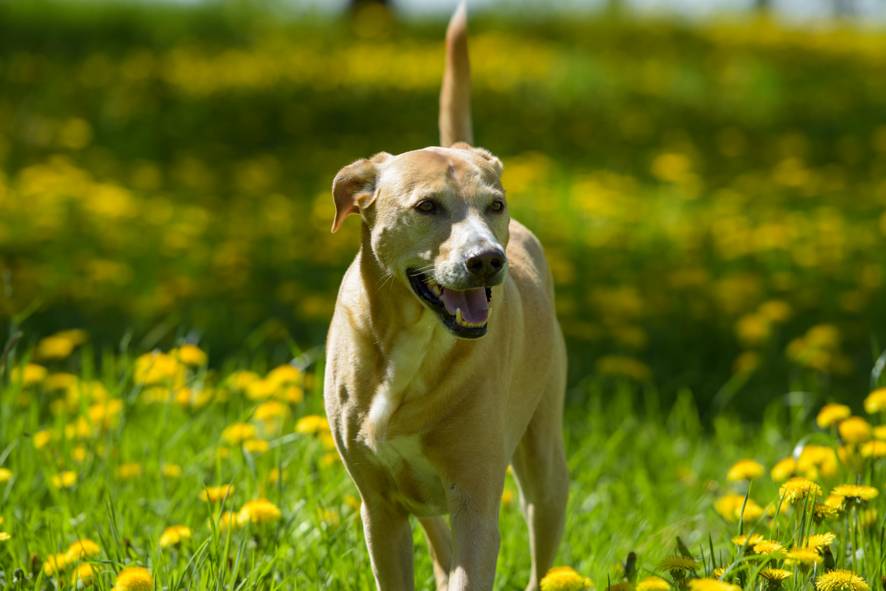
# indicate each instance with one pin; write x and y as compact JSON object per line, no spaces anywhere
{"x":445,"y":359}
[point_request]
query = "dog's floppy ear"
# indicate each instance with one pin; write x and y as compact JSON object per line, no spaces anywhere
{"x":483,"y":153}
{"x":354,"y":187}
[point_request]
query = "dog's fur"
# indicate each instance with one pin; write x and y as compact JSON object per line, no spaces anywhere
{"x":426,"y":422}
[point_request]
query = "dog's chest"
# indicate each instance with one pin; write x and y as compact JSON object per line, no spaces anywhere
{"x":417,"y":485}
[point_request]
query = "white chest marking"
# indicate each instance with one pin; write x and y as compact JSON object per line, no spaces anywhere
{"x":404,"y":363}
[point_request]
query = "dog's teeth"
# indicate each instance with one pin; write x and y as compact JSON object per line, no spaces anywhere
{"x":458,"y":317}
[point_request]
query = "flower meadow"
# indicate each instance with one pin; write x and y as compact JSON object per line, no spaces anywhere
{"x":711,"y":200}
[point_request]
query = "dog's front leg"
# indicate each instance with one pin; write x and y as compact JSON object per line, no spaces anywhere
{"x":475,"y":538}
{"x":389,"y":541}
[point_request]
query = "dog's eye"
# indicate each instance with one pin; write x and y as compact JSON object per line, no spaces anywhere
{"x":497,"y":206}
{"x":427,"y":206}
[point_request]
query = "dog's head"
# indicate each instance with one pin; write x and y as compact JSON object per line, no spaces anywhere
{"x":438,"y":221}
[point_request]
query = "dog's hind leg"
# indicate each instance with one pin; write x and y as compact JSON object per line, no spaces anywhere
{"x":540,"y":466}
{"x":440,"y":542}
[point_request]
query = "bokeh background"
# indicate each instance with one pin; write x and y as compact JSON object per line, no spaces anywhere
{"x":708,"y":184}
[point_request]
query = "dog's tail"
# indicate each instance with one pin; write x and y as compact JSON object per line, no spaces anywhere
{"x":455,"y":94}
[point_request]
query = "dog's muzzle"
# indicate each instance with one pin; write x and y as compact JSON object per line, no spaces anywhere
{"x":463,"y":312}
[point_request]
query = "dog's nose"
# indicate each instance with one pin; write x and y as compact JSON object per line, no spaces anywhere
{"x":486,"y":264}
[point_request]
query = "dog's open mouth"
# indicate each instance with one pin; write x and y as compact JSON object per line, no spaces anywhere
{"x":464,"y":312}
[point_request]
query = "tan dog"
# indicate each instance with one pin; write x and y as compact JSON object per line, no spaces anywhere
{"x":445,"y":361}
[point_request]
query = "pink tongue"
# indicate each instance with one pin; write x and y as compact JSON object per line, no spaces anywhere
{"x":472,"y":302}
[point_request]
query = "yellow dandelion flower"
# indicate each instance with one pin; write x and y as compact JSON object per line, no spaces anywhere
{"x":868,"y":518}
{"x":768,"y":547}
{"x":79,"y":454}
{"x":42,"y":438}
{"x":826,"y":510}
{"x":227,"y":520}
{"x":271,"y":411}
{"x":858,"y":493}
{"x":290,"y":394}
{"x":57,"y":346}
{"x":129,"y":471}
{"x":191,"y":355}
{"x":256,"y":446}
{"x":237,"y":433}
{"x":841,"y":580}
{"x":564,"y":578}
{"x":775,"y":310}
{"x":5,"y":536}
{"x":832,"y":413}
{"x":745,"y":470}
{"x":818,"y":459}
{"x":258,"y":511}
{"x":240,"y":380}
{"x":873,"y":449}
{"x":775,"y":575}
{"x":876,"y":401}
{"x":171,"y":470}
{"x":134,"y":578}
{"x":83,"y":575}
{"x":653,"y":583}
{"x":311,"y":425}
{"x":5,"y":475}
{"x":66,"y":479}
{"x":802,"y":557}
{"x":260,"y":389}
{"x":216,"y":494}
{"x":28,"y":375}
{"x":55,"y":564}
{"x":748,"y":540}
{"x":62,"y":381}
{"x":798,"y":488}
{"x":783,"y":469}
{"x":276,"y":475}
{"x":678,"y":563}
{"x":880,"y":432}
{"x":854,"y":430}
{"x":84,"y":548}
{"x":156,"y":367}
{"x":284,"y":375}
{"x":730,"y":508}
{"x":708,"y":584}
{"x":174,"y":535}
{"x":819,"y":541}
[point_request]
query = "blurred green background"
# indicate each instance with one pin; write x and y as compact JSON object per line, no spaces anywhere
{"x":711,"y":194}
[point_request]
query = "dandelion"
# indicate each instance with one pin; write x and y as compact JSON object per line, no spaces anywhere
{"x":564,"y":578}
{"x":708,"y":584}
{"x":311,"y":425}
{"x":876,"y":401}
{"x":802,"y":557}
{"x":822,"y":511}
{"x":854,"y":430}
{"x":258,"y":511}
{"x":190,"y":355}
{"x":83,"y":575}
{"x":53,"y":348}
{"x":129,"y":471}
{"x":66,"y":479}
{"x":237,"y":433}
{"x":748,"y":540}
{"x":84,"y":548}
{"x":745,"y":470}
{"x":171,"y":470}
{"x":858,"y":493}
{"x":55,"y":564}
{"x":769,"y":547}
{"x":5,"y":536}
{"x":240,"y":380}
{"x":216,"y":494}
{"x":818,"y":459}
{"x":42,"y":438}
{"x":174,"y":535}
{"x":783,"y":469}
{"x":730,"y":508}
{"x":284,"y":375}
{"x":134,"y":578}
{"x":798,"y":488}
{"x":260,"y":389}
{"x":227,"y":520}
{"x":841,"y":580}
{"x":155,"y":368}
{"x":880,"y":432}
{"x":5,"y":475}
{"x":819,"y":541}
{"x":29,"y":375}
{"x":873,"y":449}
{"x":256,"y":446}
{"x":653,"y":583}
{"x":775,"y":575}
{"x":268,"y":412}
{"x":678,"y":563}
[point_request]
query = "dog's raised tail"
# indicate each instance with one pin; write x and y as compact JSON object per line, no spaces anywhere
{"x":455,"y":94}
